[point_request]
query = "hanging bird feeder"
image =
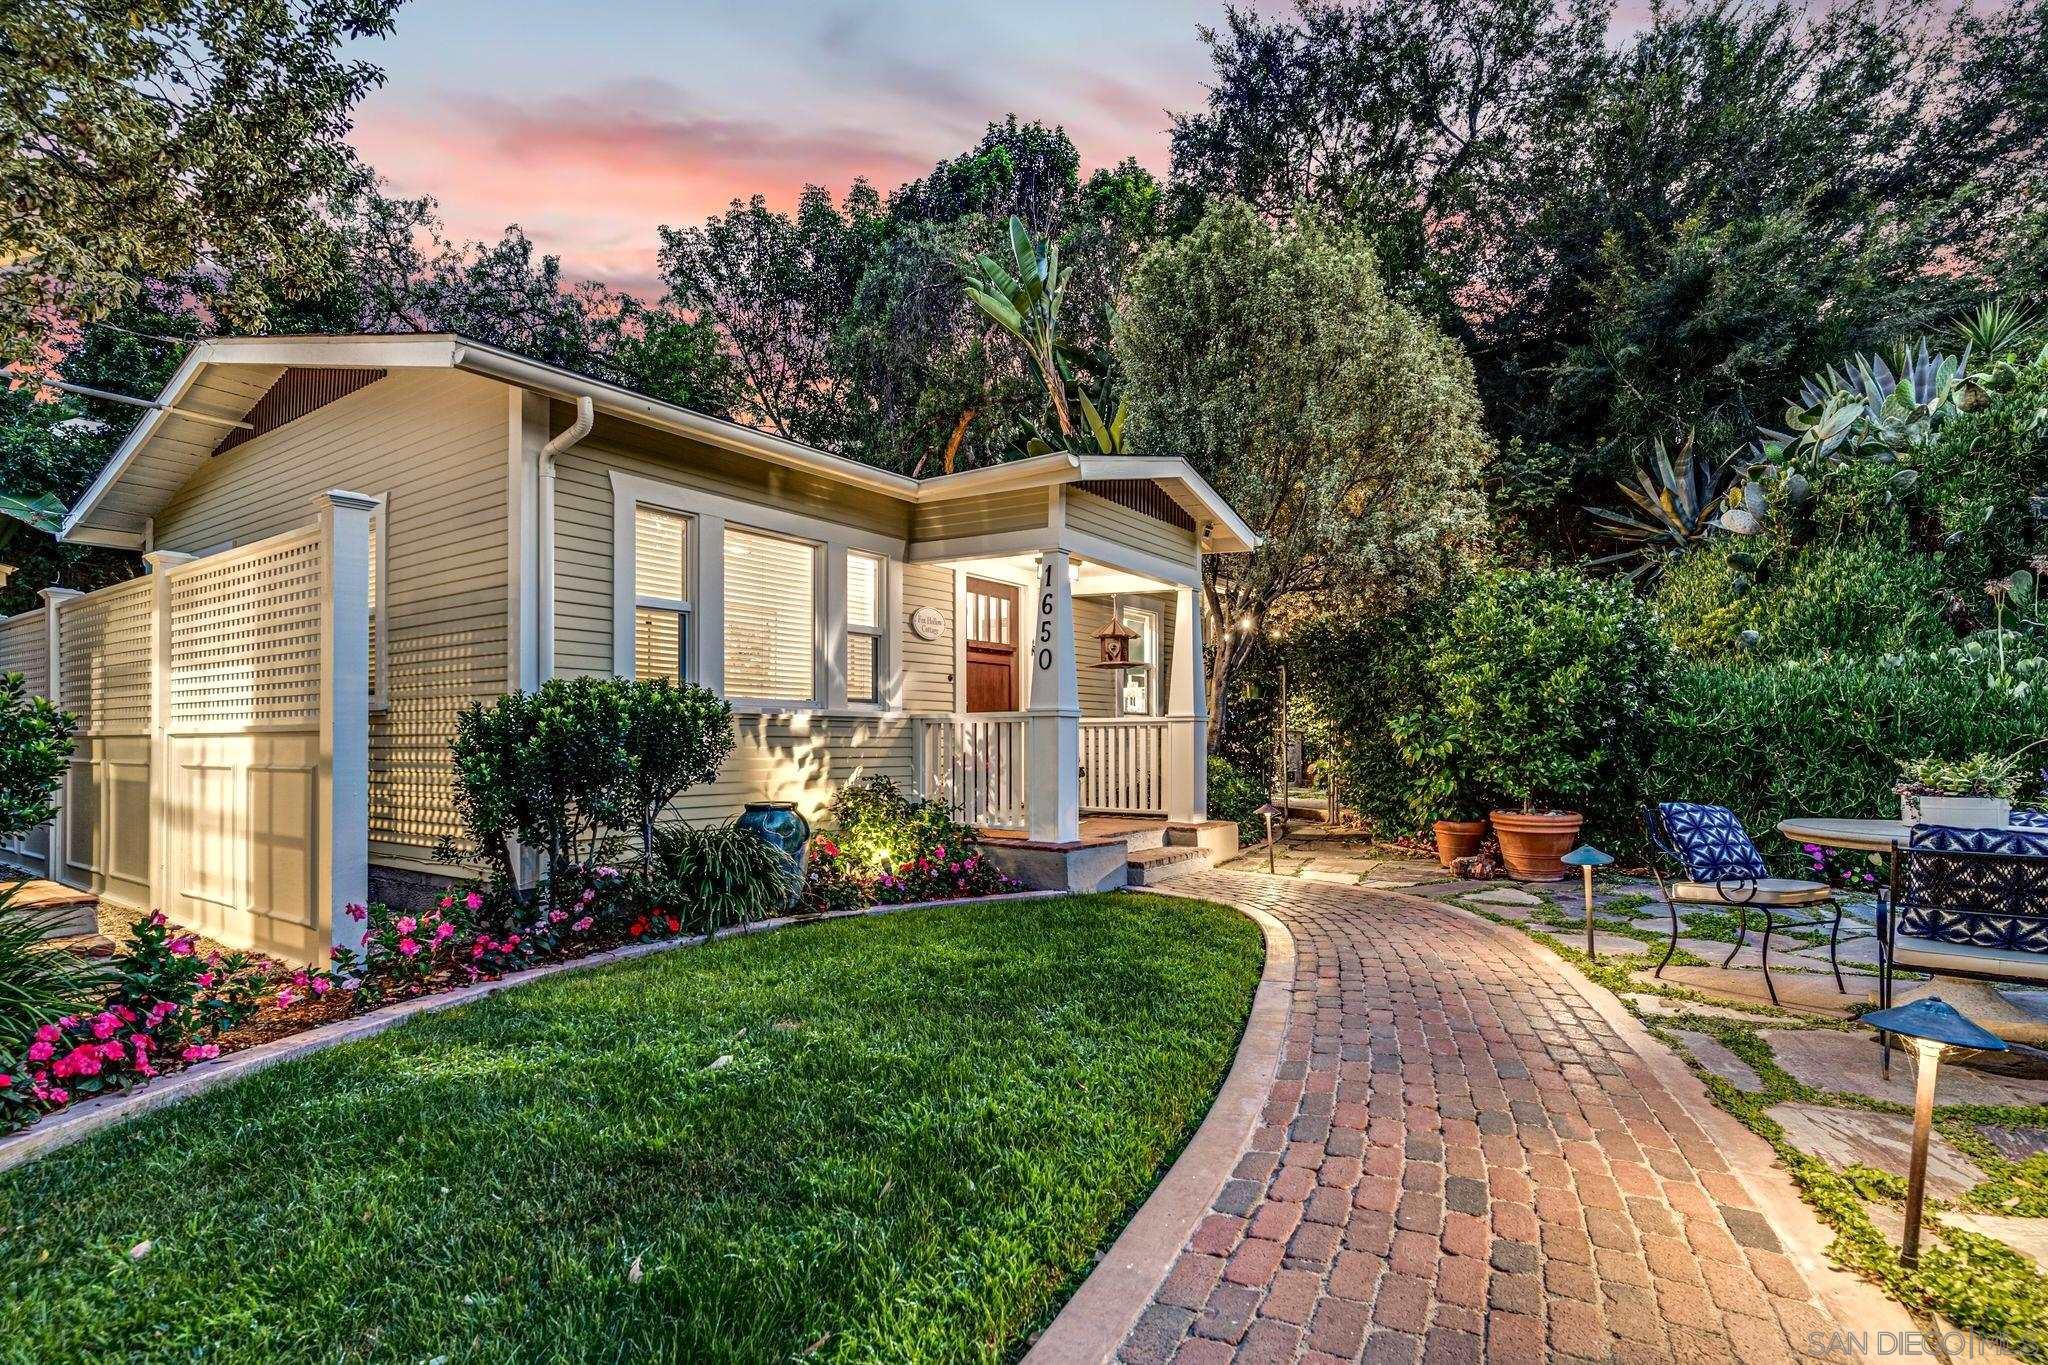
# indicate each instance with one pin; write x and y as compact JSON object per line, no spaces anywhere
{"x":1114,"y":640}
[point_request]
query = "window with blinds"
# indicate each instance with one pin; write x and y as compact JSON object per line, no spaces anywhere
{"x":770,"y":618}
{"x":864,"y":585}
{"x":661,"y":594}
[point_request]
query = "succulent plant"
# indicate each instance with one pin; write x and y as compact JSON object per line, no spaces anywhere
{"x":1672,"y":497}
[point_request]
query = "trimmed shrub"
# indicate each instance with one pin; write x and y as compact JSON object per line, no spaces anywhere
{"x":1357,"y":677}
{"x":1825,"y":736}
{"x":35,"y":748}
{"x":899,"y":849}
{"x":1234,"y":796}
{"x":1545,"y":690}
{"x":1861,"y":597}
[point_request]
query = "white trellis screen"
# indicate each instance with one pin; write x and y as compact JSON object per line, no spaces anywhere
{"x":25,"y":649}
{"x":222,"y":749}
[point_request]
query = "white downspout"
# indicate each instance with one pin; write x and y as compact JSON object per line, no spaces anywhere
{"x":586,"y":418}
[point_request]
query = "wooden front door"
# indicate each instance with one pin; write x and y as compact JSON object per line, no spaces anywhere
{"x":991,"y":646}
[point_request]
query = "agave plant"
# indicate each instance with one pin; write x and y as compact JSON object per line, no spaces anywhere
{"x":1673,"y":499}
{"x":1997,"y":328}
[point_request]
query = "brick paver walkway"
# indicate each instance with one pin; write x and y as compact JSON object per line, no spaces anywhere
{"x":1461,"y":1160}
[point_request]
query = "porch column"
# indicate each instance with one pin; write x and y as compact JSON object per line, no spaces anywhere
{"x":1055,"y":709}
{"x":159,"y":564}
{"x":344,"y":787}
{"x":1187,"y":714}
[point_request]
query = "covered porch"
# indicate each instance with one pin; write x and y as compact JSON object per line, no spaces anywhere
{"x":1054,"y":725}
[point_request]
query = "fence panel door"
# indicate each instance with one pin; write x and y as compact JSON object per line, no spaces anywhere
{"x":106,"y":644}
{"x":25,"y":649}
{"x":241,"y":819}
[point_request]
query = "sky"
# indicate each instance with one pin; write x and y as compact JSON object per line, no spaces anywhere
{"x":590,"y":124}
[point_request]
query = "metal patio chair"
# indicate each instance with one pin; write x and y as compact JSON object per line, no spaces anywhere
{"x":1723,"y":868}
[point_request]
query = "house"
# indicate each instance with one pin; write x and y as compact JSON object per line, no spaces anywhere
{"x":350,"y":539}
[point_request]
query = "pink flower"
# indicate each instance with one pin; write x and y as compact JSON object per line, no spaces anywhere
{"x":967,"y":865}
{"x":127,"y":1015}
{"x":41,"y":1050}
{"x":199,"y":1052}
{"x":205,"y":980}
{"x":953,"y":868}
{"x":112,"y":1051}
{"x":5,"y":1080}
{"x":609,"y":872}
{"x":285,"y":998}
{"x":160,"y":1011}
{"x":157,"y":920}
{"x":300,"y":979}
{"x":142,"y":1066}
{"x":939,"y":852}
{"x":442,"y":932}
{"x":321,"y":985}
{"x":83,"y":1060}
{"x":405,"y":924}
{"x":106,"y":1025}
{"x":408,"y":947}
{"x":48,"y":1033}
{"x":141,"y":1042}
{"x":557,"y":916}
{"x":473,"y":901}
{"x":357,"y":913}
{"x":582,"y":926}
{"x":181,"y":946}
{"x":447,"y":902}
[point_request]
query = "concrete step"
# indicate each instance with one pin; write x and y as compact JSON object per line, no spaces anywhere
{"x":1151,"y":866}
{"x":1142,"y":840}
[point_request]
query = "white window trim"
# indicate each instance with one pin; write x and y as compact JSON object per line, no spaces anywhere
{"x":680,"y":606}
{"x":380,"y":676}
{"x":712,"y":512}
{"x":1121,"y":609}
{"x":879,"y":632}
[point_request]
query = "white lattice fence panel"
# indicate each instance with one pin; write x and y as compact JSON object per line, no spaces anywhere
{"x":105,"y":640}
{"x":245,"y":638}
{"x":25,"y":649}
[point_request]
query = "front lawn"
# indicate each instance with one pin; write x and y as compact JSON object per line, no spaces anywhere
{"x":901,"y":1137}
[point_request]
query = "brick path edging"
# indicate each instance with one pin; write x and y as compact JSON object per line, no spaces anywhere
{"x":67,"y":1126}
{"x":1855,"y":1302}
{"x":1102,"y":1312}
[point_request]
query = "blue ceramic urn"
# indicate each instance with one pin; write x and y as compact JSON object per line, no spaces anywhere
{"x":784,"y":827}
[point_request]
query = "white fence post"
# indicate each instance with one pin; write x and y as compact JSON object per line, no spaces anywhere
{"x":344,"y":808}
{"x":1187,"y":706}
{"x":60,"y":836}
{"x":1054,"y":769}
{"x":160,"y":563}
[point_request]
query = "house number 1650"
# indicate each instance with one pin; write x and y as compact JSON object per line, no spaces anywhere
{"x":1045,"y":610}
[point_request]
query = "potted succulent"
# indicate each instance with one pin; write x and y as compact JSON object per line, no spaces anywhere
{"x":1975,"y":792}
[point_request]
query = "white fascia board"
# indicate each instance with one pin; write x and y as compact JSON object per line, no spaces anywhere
{"x":415,"y":350}
{"x":1172,"y":469}
{"x":131,"y":447}
{"x":1058,"y":467}
{"x":618,"y":402}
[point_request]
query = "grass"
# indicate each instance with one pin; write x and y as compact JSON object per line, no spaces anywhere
{"x":902,"y":1137}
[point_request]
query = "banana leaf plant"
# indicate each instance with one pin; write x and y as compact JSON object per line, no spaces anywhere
{"x":1672,"y":500}
{"x":1023,"y":297}
{"x":42,"y":512}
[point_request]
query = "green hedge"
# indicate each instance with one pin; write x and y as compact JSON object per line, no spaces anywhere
{"x":1825,"y":736}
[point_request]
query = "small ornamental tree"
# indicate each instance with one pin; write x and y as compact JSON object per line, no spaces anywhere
{"x":35,"y":747}
{"x":678,"y":737}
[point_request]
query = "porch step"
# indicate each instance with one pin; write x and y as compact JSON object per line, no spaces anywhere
{"x":1151,"y":866}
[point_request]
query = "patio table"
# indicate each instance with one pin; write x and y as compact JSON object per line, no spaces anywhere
{"x":1860,"y":836}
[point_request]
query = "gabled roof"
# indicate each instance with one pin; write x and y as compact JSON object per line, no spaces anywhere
{"x":222,"y":381}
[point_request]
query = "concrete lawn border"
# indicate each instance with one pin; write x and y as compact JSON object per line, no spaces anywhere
{"x":1854,"y":1303}
{"x":1100,"y":1315}
{"x":67,"y":1126}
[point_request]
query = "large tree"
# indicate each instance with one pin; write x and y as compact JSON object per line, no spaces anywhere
{"x":161,"y":138}
{"x":1343,"y":425}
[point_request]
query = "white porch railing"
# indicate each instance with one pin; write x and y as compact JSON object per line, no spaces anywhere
{"x":976,"y":765}
{"x":1123,"y":766}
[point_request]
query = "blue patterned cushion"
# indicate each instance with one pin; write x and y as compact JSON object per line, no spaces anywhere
{"x":1984,"y":887}
{"x":1712,"y":843}
{"x":2029,"y":819}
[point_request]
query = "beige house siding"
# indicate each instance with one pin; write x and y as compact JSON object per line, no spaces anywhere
{"x":802,"y":757}
{"x":1017,"y":509}
{"x":1099,"y":516}
{"x":434,"y":442}
{"x":1098,"y":685}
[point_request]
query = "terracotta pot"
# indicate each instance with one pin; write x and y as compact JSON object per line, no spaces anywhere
{"x":1531,"y":845}
{"x":1458,"y":839}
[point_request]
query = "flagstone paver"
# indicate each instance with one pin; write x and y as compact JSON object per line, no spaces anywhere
{"x":1462,"y":1159}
